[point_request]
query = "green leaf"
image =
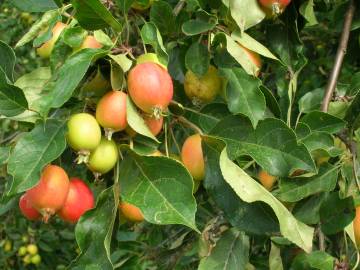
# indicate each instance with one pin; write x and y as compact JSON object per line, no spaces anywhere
{"x":38,"y":27}
{"x":33,"y":151}
{"x":103,"y":38}
{"x":67,"y":77}
{"x":231,"y":252}
{"x":94,"y":231}
{"x":308,"y":210}
{"x":74,"y":36}
{"x":32,"y":85}
{"x":136,"y":122}
{"x":253,"y":45}
{"x":243,"y":94}
{"x":246,"y":13}
{"x":34,"y":5}
{"x":162,"y":16}
{"x":8,"y":59}
{"x":296,"y":189}
{"x":151,"y":189}
{"x":352,"y":115}
{"x":116,"y":76}
{"x":320,"y":121}
{"x":250,"y":190}
{"x":311,"y":101}
{"x":336,"y":213}
{"x":4,"y":154}
{"x":204,"y":22}
{"x":307,"y":11}
{"x":319,"y":140}
{"x":255,"y":218}
{"x":124,"y":62}
{"x":272,"y":145}
{"x":275,"y":262}
{"x":315,"y":260}
{"x":12,"y":99}
{"x":93,"y":15}
{"x":197,"y":59}
{"x":151,"y":35}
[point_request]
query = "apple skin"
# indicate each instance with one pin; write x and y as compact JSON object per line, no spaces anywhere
{"x":131,"y":212}
{"x":266,"y":179}
{"x":254,"y":58}
{"x":45,"y":50}
{"x":89,"y":43}
{"x":203,"y":89}
{"x":192,"y":157}
{"x":356,"y":225}
{"x":274,"y":7}
{"x":104,"y":157}
{"x":149,"y":57}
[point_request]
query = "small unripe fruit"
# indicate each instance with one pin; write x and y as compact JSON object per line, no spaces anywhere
{"x":32,"y":249}
{"x":25,"y":238}
{"x":45,"y":50}
{"x":149,"y":57}
{"x":266,"y":179}
{"x":104,"y":157}
{"x":155,"y":125}
{"x":35,"y":259}
{"x":150,"y":87}
{"x":131,"y":212}
{"x":7,"y":246}
{"x":27,"y":259}
{"x":79,"y":200}
{"x":192,"y":157}
{"x":254,"y":58}
{"x":276,"y":7}
{"x":202,"y":89}
{"x":89,"y":42}
{"x":138,"y":5}
{"x":49,"y":195}
{"x":22,"y":251}
{"x":111,"y":112}
{"x":27,"y":209}
{"x":84,"y":132}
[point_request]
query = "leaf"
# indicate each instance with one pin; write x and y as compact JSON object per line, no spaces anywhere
{"x":293,"y":190}
{"x":204,"y":22}
{"x":12,"y":99}
{"x":197,"y":59}
{"x":74,"y":36}
{"x":250,"y":190}
{"x":246,"y":13}
{"x":116,"y":76}
{"x":307,"y":11}
{"x":308,"y":210}
{"x":34,"y":5}
{"x":93,"y":15}
{"x":353,"y":113}
{"x":315,"y":260}
{"x":151,"y":189}
{"x":32,"y":85}
{"x":162,"y":16}
{"x":151,"y":35}
{"x":252,"y":44}
{"x":272,"y":144}
{"x":136,"y":122}
{"x":255,"y":218}
{"x":243,"y":94}
{"x":319,"y":140}
{"x":124,"y":62}
{"x":336,"y":213}
{"x":37,"y":27}
{"x":231,"y":252}
{"x":8,"y":59}
{"x":320,"y":121}
{"x":67,"y":77}
{"x":311,"y":101}
{"x":275,"y":262}
{"x":94,"y":231}
{"x":33,"y":151}
{"x":4,"y":154}
{"x":103,"y":38}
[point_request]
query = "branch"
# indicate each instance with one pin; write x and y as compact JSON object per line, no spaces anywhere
{"x":190,"y":124}
{"x":178,"y":7}
{"x":339,"y":57}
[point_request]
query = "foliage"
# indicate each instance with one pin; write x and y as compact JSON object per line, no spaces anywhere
{"x":266,"y":116}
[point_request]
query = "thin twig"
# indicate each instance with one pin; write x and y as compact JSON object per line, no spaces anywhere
{"x":339,"y":57}
{"x":190,"y":124}
{"x":357,"y":261}
{"x":179,"y":6}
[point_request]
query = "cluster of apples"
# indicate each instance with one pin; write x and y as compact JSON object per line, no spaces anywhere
{"x":274,"y":7}
{"x":56,"y":194}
